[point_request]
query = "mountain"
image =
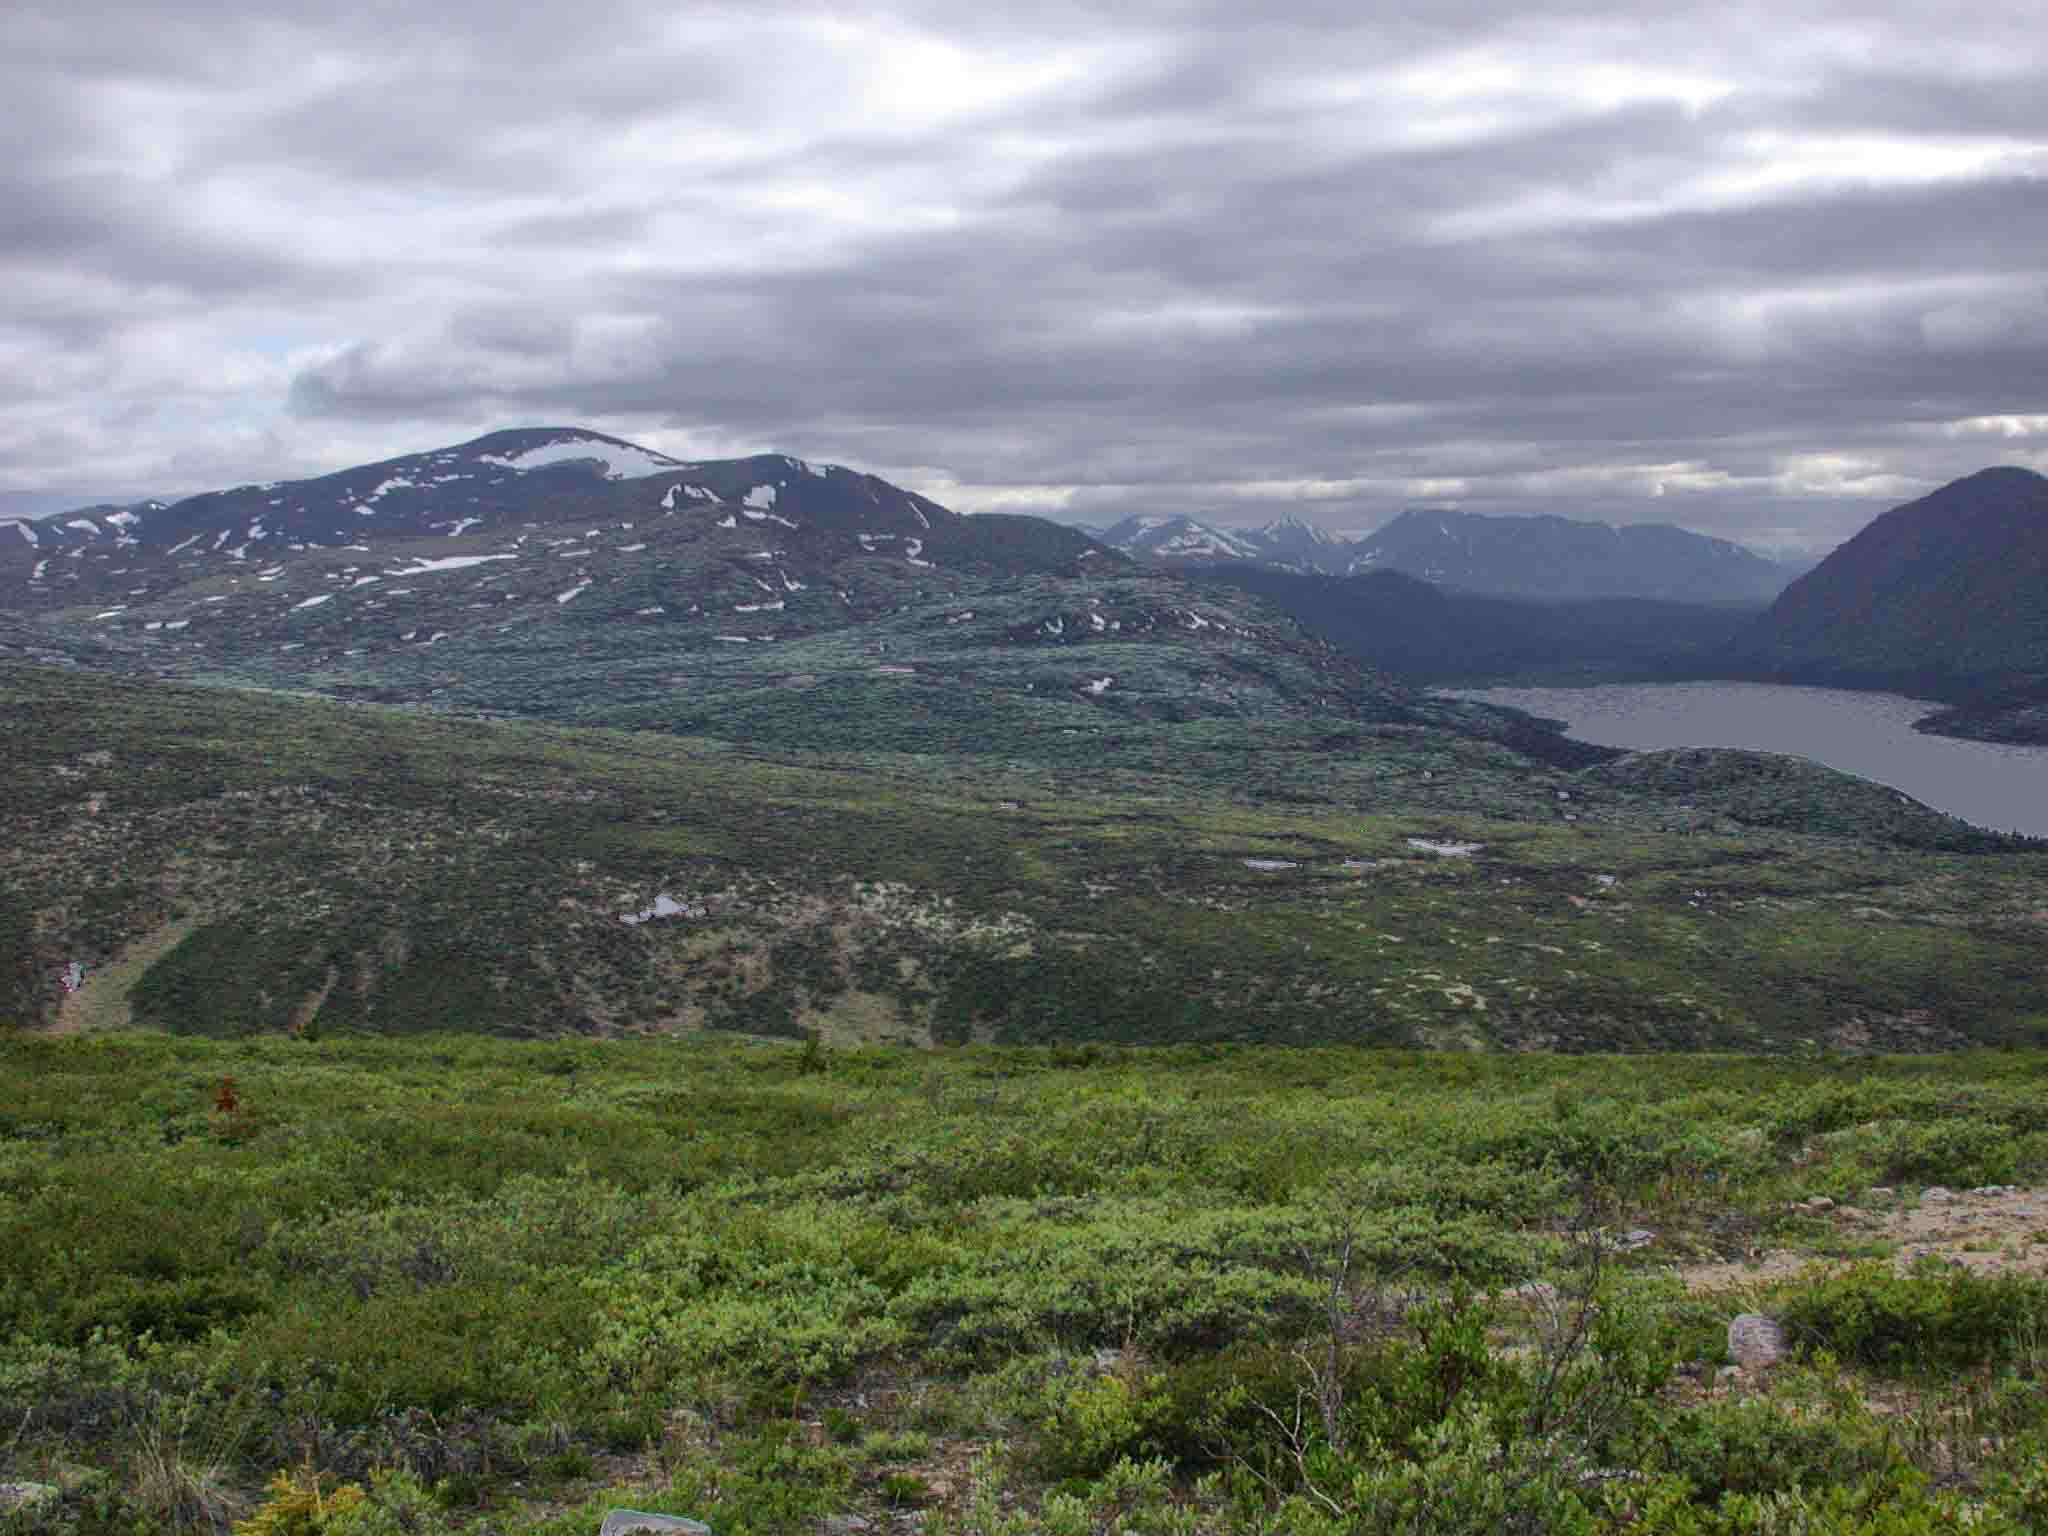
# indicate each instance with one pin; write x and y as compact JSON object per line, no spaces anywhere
{"x":565,"y":575}
{"x":486,"y":501}
{"x":1557,"y":557}
{"x":1179,"y":541}
{"x":1945,"y":597}
{"x":1300,"y":546}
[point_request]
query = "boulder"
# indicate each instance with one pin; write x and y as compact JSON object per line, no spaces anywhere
{"x":1757,"y":1342}
{"x":624,"y":1522}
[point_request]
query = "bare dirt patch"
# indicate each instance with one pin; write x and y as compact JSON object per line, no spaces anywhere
{"x":102,"y":1002}
{"x":2003,"y":1230}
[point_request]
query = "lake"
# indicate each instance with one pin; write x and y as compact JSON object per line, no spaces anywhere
{"x":1868,"y":734}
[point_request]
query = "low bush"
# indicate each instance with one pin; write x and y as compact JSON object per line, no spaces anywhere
{"x":1932,"y":1320}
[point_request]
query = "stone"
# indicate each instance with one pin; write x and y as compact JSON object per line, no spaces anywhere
{"x":1883,"y":1192}
{"x":1757,"y":1342}
{"x":1936,"y":1196}
{"x":1820,"y":1203}
{"x":1638,"y":1237}
{"x":1728,"y":1373}
{"x":19,"y":1496}
{"x":847,"y":1525}
{"x":623,"y":1522}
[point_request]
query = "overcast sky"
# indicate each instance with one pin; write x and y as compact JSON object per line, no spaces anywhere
{"x":1760,"y":270}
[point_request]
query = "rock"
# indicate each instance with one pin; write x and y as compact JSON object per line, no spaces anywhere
{"x":1728,"y":1373}
{"x":847,"y":1525}
{"x":1820,"y":1203}
{"x":1936,"y":1196}
{"x":1993,"y":1191}
{"x":1757,"y":1342}
{"x":619,"y":1522}
{"x":1637,"y":1237}
{"x":18,"y":1496}
{"x":1883,"y":1192}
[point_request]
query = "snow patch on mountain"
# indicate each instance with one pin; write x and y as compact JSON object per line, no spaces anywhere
{"x":446,"y":563}
{"x":622,"y":461}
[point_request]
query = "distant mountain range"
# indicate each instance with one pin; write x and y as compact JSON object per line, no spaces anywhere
{"x":1945,"y":597}
{"x":1287,"y":543}
{"x":1540,"y":557}
{"x":568,"y":574}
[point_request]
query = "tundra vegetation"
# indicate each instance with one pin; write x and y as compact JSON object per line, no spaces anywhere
{"x":915,"y":1164}
{"x":459,"y":1284}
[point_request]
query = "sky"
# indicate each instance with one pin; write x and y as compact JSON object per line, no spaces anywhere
{"x":1761,"y":271}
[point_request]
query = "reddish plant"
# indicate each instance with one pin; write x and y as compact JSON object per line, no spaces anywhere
{"x":226,"y":1100}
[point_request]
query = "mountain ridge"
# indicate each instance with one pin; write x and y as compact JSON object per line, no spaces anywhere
{"x":1544,"y":556}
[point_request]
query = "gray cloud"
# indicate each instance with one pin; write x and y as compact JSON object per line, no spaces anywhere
{"x":1754,"y":274}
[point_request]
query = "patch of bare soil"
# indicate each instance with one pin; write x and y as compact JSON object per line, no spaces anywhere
{"x":102,"y":1002}
{"x":1999,"y":1228}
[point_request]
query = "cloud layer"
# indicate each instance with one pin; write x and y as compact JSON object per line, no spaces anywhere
{"x":1754,"y":274}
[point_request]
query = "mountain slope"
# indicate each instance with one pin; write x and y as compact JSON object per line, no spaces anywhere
{"x":1434,"y":636}
{"x":1556,"y":557}
{"x":1945,"y":595}
{"x":520,"y":542}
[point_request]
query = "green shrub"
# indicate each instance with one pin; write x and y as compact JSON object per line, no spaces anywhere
{"x":1932,"y":1320}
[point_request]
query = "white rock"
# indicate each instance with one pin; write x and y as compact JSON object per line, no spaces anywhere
{"x":620,"y":1522}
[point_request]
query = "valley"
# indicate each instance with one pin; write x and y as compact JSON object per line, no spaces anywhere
{"x":731,"y":989}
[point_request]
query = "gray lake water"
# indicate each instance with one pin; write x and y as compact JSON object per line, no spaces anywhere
{"x":1868,"y":734}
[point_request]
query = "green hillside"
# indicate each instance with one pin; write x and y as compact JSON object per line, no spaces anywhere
{"x":231,"y":862}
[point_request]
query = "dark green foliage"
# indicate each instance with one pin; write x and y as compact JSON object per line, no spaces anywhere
{"x":1934,"y":1320}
